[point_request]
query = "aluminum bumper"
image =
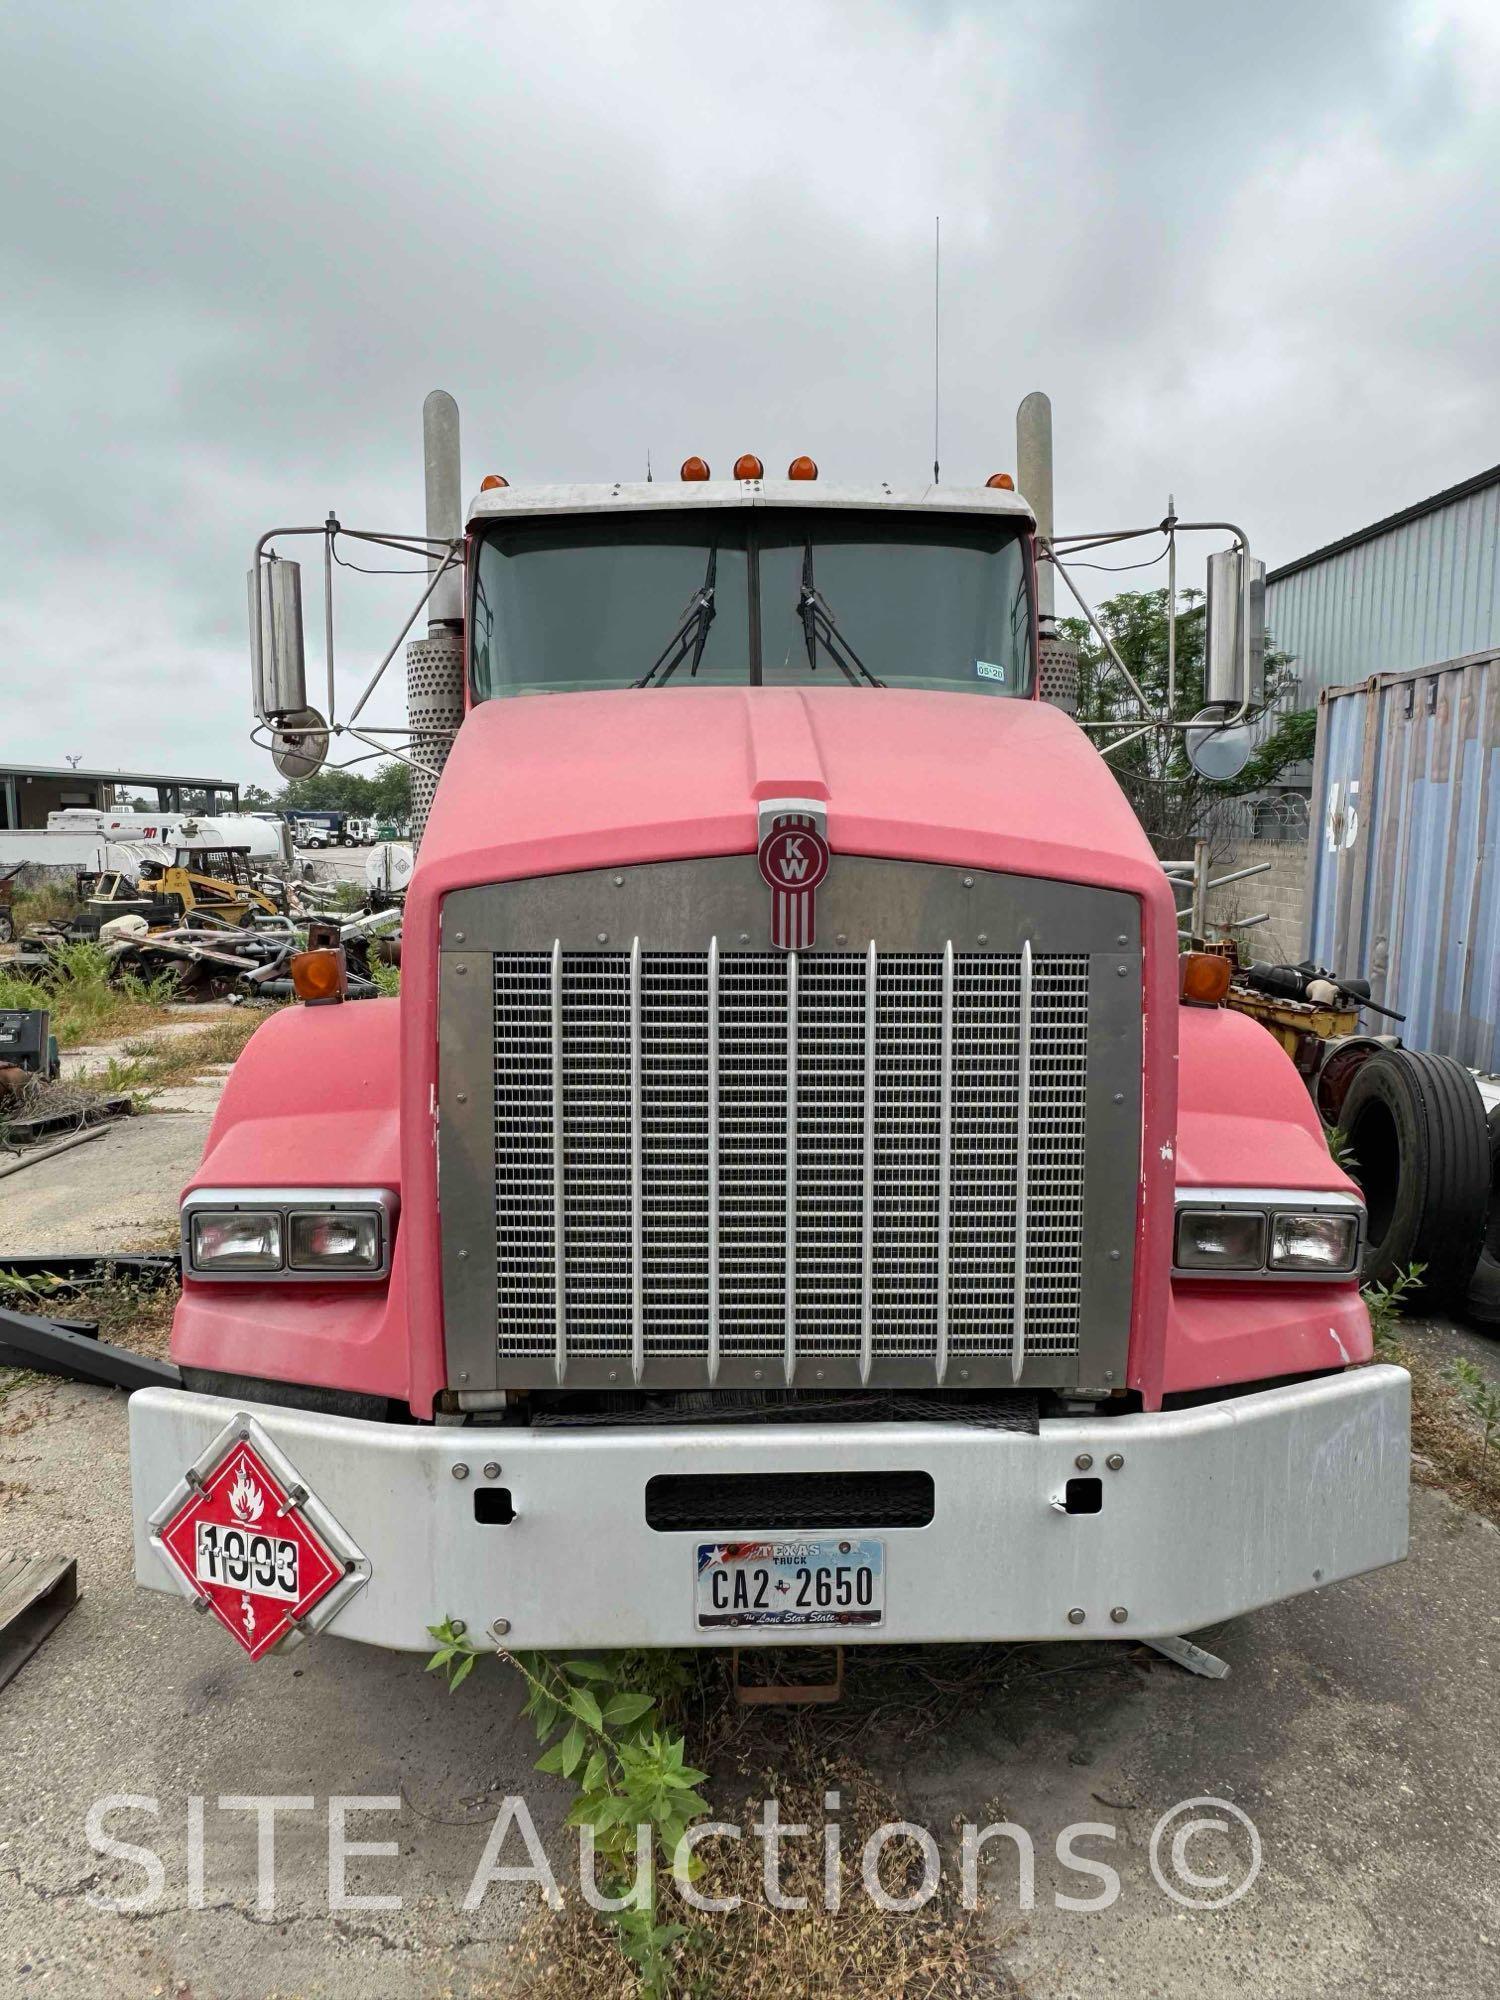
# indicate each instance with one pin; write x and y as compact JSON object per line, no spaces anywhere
{"x":1211,"y":1512}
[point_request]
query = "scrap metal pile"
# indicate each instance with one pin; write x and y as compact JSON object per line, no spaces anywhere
{"x":211,"y":957}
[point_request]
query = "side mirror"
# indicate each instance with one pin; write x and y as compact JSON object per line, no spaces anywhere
{"x":1234,"y":658}
{"x":277,"y":667}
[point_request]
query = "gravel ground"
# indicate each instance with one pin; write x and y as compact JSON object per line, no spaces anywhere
{"x":1359,"y":1729}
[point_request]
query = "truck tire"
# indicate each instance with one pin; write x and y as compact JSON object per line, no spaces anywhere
{"x":1482,"y":1301}
{"x":1420,"y":1141}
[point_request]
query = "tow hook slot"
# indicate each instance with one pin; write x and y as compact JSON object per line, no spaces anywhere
{"x":1081,"y":1496}
{"x":788,"y":1694}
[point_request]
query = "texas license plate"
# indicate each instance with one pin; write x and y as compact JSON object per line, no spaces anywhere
{"x":835,"y":1580}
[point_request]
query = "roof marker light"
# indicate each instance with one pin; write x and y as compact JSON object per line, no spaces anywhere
{"x":802,"y":468}
{"x":748,"y":466}
{"x":490,"y":481}
{"x":694,"y":468}
{"x":1003,"y":480}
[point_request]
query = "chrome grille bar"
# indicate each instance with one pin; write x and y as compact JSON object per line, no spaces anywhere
{"x":829,"y":1166}
{"x":789,"y":1355}
{"x":1023,"y":1167}
{"x":713,"y":1160}
{"x":867,"y":1232}
{"x":637,"y":1198}
{"x":945,"y":1162}
{"x":559,"y":1180}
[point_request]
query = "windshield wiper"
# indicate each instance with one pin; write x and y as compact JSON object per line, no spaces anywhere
{"x":692,"y":632}
{"x":818,"y":622}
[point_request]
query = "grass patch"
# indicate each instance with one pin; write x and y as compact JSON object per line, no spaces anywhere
{"x":1448,"y":1441}
{"x":86,"y":1003}
{"x":132,"y":1311}
{"x":941,"y":1951}
{"x":151,"y":1065}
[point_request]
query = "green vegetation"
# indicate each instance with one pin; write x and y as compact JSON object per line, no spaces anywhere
{"x":385,"y":793}
{"x":1173,"y":803}
{"x":86,"y":1003}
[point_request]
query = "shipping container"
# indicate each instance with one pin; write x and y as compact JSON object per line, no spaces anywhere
{"x":1404,"y":875}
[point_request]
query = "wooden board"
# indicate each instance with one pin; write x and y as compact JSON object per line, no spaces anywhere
{"x":36,"y":1594}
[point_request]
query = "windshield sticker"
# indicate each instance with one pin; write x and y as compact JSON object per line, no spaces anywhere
{"x":987,"y":670}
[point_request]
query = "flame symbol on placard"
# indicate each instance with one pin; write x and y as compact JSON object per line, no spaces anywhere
{"x":248,"y":1620}
{"x":246,"y":1501}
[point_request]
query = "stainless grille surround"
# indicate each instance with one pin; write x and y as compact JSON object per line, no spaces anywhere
{"x":725,"y":1165}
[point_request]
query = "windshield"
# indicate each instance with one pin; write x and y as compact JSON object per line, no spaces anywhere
{"x":746,"y":596}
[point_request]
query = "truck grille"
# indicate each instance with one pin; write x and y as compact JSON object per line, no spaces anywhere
{"x":738,"y":1157}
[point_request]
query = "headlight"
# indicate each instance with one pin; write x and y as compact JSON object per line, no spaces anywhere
{"x":1267,"y":1232}
{"x":288,"y":1234}
{"x":1220,"y":1239}
{"x":1314,"y":1243}
{"x":340,"y":1240}
{"x":243,"y":1240}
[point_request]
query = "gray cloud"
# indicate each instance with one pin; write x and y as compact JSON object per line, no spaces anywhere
{"x":1251,"y":258}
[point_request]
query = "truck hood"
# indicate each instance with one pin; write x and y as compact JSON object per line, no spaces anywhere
{"x":548,"y":783}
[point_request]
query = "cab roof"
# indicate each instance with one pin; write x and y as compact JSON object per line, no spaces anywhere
{"x":671,"y":495}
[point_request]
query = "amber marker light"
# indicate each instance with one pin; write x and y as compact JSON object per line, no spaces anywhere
{"x":1003,"y":481}
{"x":802,"y":468}
{"x":319,"y":977}
{"x":1203,"y":978}
{"x":694,"y":468}
{"x":748,"y":466}
{"x":490,"y":481}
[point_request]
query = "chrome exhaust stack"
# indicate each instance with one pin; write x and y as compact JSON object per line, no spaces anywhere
{"x":435,"y":665}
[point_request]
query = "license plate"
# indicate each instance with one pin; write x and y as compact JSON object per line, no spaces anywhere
{"x":835,"y":1580}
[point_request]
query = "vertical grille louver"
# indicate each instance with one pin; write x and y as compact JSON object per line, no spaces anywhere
{"x":730,"y":1155}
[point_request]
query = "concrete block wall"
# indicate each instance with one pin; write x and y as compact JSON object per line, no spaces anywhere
{"x":1281,"y":893}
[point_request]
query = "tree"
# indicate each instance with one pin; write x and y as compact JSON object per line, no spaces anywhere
{"x":1174,"y":804}
{"x":384,"y":793}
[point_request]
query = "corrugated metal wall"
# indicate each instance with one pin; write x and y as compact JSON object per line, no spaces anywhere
{"x":1422,"y":591}
{"x":1404,"y":872}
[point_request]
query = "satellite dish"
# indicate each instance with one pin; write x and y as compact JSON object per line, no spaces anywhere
{"x":299,"y":744}
{"x":1213,"y":750}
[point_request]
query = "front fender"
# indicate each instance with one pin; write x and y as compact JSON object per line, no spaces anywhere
{"x":311,"y":1102}
{"x":1245,"y":1119}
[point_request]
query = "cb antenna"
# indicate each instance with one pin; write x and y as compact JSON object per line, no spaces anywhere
{"x":937,"y":327}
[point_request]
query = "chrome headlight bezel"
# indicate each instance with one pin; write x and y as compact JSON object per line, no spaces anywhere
{"x":1273,"y":1206}
{"x":380,"y":1205}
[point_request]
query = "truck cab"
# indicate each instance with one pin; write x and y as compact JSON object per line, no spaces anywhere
{"x":791,"y":1197}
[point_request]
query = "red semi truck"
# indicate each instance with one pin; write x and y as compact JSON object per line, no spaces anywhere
{"x":791,"y":1199}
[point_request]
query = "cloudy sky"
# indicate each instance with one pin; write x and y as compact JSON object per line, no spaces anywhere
{"x":1251,"y":253}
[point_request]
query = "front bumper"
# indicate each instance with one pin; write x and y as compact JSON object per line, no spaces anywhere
{"x":1211,"y":1512}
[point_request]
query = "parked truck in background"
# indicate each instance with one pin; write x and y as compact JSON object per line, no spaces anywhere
{"x":797,"y":1194}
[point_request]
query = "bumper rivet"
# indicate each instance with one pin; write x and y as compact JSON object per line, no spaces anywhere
{"x":1084,"y":1460}
{"x":1115,"y":1460}
{"x":492,"y":1470}
{"x":1075,"y":1616}
{"x":500,"y":1627}
{"x":458,"y":1627}
{"x":460,"y":1471}
{"x":1119,"y":1615}
{"x":602,"y":937}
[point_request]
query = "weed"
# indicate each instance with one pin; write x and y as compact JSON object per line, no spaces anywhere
{"x":87,"y":1001}
{"x":1481,"y":1398}
{"x":387,"y":978}
{"x":1386,"y":1304}
{"x":1342,"y":1152}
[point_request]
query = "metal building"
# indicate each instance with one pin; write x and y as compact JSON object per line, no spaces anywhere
{"x":28,"y":792}
{"x":1417,"y":588}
